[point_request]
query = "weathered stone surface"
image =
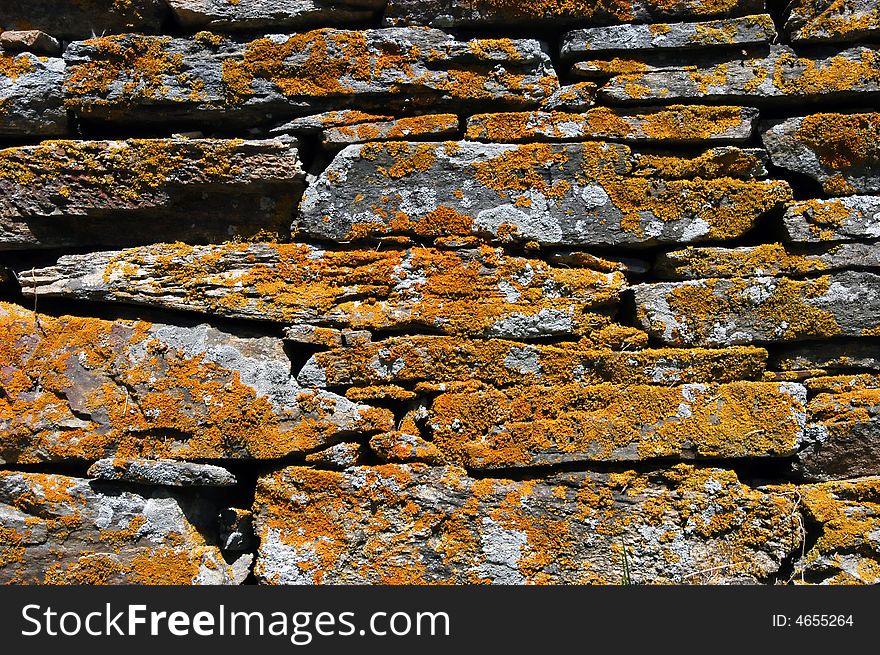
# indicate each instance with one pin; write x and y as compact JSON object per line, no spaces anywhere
{"x":571,"y":97}
{"x":722,"y":161}
{"x":722,"y":312}
{"x":769,"y":259}
{"x":840,"y":151}
{"x":116,"y":193}
{"x":412,"y":359}
{"x":848,"y":547}
{"x":338,"y":456}
{"x":822,"y":21}
{"x":747,"y":30}
{"x":85,"y":389}
{"x":76,"y":19}
{"x":30,"y":41}
{"x":480,"y":292}
{"x":761,"y":79}
{"x":639,"y":62}
{"x":317,"y":123}
{"x":840,"y":450}
{"x":552,"y":194}
{"x":483,"y":13}
{"x":133,"y":78}
{"x":161,"y":472}
{"x":676,"y":124}
{"x":31,"y":101}
{"x":835,"y":219}
{"x":399,"y":524}
{"x":225,"y":15}
{"x":62,"y":530}
{"x":432,"y":126}
{"x":847,"y":354}
{"x":402,"y":446}
{"x":543,"y":425}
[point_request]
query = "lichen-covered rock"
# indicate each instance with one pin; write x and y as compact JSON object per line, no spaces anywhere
{"x":235,"y":15}
{"x":723,"y":312}
{"x":31,"y":101}
{"x":721,"y":161}
{"x":56,"y":529}
{"x":142,"y":79}
{"x":402,"y":446}
{"x":413,"y":359}
{"x":496,"y":13}
{"x":823,"y":21}
{"x":480,"y":292}
{"x":79,"y":19}
{"x":840,"y":151}
{"x":552,"y":194}
{"x":415,"y":524}
{"x":432,"y":126}
{"x":338,"y":456}
{"x":542,"y":425}
{"x":639,"y":62}
{"x":842,"y":355}
{"x":117,"y":193}
{"x":760,"y":79}
{"x":676,"y":124}
{"x":834,"y":219}
{"x":84,"y":389}
{"x":747,"y":30}
{"x":571,"y":97}
{"x":161,"y":472}
{"x":769,"y":259}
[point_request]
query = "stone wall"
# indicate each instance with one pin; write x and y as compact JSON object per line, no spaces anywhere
{"x":457,"y":291}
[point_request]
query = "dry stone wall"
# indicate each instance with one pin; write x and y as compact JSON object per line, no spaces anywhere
{"x":444,"y":291}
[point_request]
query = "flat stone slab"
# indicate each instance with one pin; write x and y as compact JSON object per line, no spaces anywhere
{"x":724,"y":312}
{"x":161,"y":472}
{"x":526,"y":426}
{"x":745,"y":30}
{"x":414,"y":359}
{"x":31,"y":99}
{"x":64,"y":530}
{"x":833,"y":21}
{"x":118,"y":193}
{"x":580,"y":194}
{"x":428,"y":127}
{"x":837,"y":150}
{"x":842,"y":355}
{"x":763,"y":78}
{"x":478,"y":292}
{"x":243,"y":15}
{"x":834,"y":219}
{"x":683,"y":124}
{"x":80,"y":389}
{"x":75,"y":19}
{"x":416,"y":524}
{"x":147,"y":80}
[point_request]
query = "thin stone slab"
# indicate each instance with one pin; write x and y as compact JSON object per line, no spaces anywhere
{"x":161,"y":472}
{"x":243,"y":15}
{"x":834,"y":219}
{"x":833,"y":21}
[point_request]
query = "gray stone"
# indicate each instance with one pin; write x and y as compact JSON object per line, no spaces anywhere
{"x":338,"y":456}
{"x":160,"y":80}
{"x":837,"y":150}
{"x":31,"y":101}
{"x":161,"y":472}
{"x":835,"y":219}
{"x":76,"y":19}
{"x":571,"y":97}
{"x":31,"y":41}
{"x":722,"y":312}
{"x":833,"y":21}
{"x":553,"y":194}
{"x":226,"y":16}
{"x":747,"y":30}
{"x":64,"y":530}
{"x":118,"y":193}
{"x":418,"y":524}
{"x":844,"y":355}
{"x":839,"y":450}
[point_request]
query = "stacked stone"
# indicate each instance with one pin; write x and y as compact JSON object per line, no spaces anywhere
{"x":478,"y":309}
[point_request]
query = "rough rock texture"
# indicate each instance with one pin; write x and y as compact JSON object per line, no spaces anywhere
{"x":30,"y":96}
{"x":567,"y":194}
{"x":439,"y":291}
{"x":62,"y":530}
{"x":405,"y":524}
{"x":114,"y":193}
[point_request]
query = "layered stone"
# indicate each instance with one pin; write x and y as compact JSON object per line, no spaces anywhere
{"x":842,"y":355}
{"x":676,"y":124}
{"x":415,"y":524}
{"x":134,"y":78}
{"x":112,"y":193}
{"x":478,"y":292}
{"x":428,"y":127}
{"x":161,"y":472}
{"x":840,"y":151}
{"x":834,"y":219}
{"x":75,"y":19}
{"x":723,"y":312}
{"x":746,"y":30}
{"x":31,"y":101}
{"x":243,"y":15}
{"x":824,"y":21}
{"x":414,"y":359}
{"x":550,"y":194}
{"x":762,"y":78}
{"x":534,"y":425}
{"x":78,"y":389}
{"x":56,"y":529}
